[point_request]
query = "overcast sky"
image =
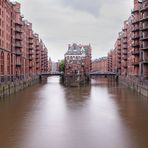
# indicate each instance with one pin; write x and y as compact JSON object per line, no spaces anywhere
{"x":63,"y":22}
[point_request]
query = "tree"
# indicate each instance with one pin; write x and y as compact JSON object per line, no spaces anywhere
{"x":62,"y":66}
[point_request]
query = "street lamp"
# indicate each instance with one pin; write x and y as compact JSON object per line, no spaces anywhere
{"x":82,"y":65}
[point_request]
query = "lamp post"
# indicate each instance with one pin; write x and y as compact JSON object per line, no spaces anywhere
{"x":82,"y":65}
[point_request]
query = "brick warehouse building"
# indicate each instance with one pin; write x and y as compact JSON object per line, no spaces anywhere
{"x":78,"y":60}
{"x":129,"y":58}
{"x":100,"y":65}
{"x":22,"y":54}
{"x":144,"y":39}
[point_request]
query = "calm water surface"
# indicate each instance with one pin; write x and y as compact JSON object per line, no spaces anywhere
{"x":103,"y":115}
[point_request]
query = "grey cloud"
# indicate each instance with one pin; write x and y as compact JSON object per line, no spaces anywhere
{"x":60,"y":22}
{"x":87,"y":5}
{"x":93,"y":6}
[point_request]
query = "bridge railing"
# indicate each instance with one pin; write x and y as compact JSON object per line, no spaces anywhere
{"x":52,"y":73}
{"x":102,"y":73}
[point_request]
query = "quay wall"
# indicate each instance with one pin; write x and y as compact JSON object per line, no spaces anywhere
{"x":9,"y":88}
{"x":75,"y":80}
{"x":140,"y":86}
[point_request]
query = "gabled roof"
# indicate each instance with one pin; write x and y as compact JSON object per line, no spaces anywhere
{"x":78,"y":49}
{"x":74,"y":50}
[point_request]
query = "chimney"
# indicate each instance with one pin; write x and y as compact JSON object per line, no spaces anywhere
{"x":69,"y":46}
{"x":137,"y":4}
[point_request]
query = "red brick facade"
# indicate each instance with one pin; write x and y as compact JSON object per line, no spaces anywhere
{"x":100,"y":65}
{"x":144,"y":39}
{"x":78,"y":60}
{"x":49,"y":65}
{"x":130,"y":55}
{"x":22,"y":54}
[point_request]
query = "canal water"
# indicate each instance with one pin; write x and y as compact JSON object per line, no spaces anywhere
{"x":49,"y":115}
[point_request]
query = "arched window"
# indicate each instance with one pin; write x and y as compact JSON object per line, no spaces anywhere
{"x":2,"y":63}
{"x":8,"y":64}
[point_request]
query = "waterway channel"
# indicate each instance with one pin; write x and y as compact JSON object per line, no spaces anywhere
{"x":103,"y":114}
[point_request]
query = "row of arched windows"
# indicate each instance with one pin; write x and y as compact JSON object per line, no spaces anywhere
{"x":2,"y":63}
{"x":73,"y":57}
{"x":8,"y":63}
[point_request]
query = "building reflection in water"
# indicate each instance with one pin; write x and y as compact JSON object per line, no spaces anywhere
{"x":104,"y":114}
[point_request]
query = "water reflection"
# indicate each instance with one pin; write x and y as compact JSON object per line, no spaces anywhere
{"x":134,"y":110}
{"x":103,"y":115}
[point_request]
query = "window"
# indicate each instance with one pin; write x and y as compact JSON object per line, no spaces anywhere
{"x":8,"y":64}
{"x":2,"y":63}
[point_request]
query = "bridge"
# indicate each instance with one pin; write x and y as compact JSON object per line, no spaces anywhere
{"x":98,"y":73}
{"x":52,"y":74}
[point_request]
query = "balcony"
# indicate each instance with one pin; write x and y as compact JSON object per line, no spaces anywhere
{"x":135,"y":21}
{"x":124,"y":64}
{"x":144,"y":48}
{"x":18,"y":29}
{"x":135,"y":37}
{"x":37,"y":57}
{"x":144,"y":8}
{"x":125,"y":41}
{"x":37,"y":53}
{"x":18,"y":53}
{"x":30,"y":47}
{"x":30,"y":58}
{"x":18,"y":64}
{"x":145,"y":61}
{"x":30,"y":42}
{"x":124,"y":58}
{"x":31,"y":52}
{"x":119,"y":66}
{"x":119,"y":53}
{"x":31,"y":37}
{"x":144,"y":38}
{"x":37,"y":49}
{"x":144,"y":28}
{"x":144,"y":18}
{"x":18,"y":23}
{"x":37,"y":67}
{"x":31,"y":65}
{"x":135,"y":63}
{"x":124,"y":36}
{"x":37,"y":61}
{"x":119,"y":58}
{"x":18,"y":45}
{"x":135,"y":52}
{"x":134,"y":10}
{"x":135,"y":29}
{"x":124,"y":46}
{"x":119,"y":48}
{"x":124,"y":29}
{"x":18,"y":37}
{"x":135,"y":45}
